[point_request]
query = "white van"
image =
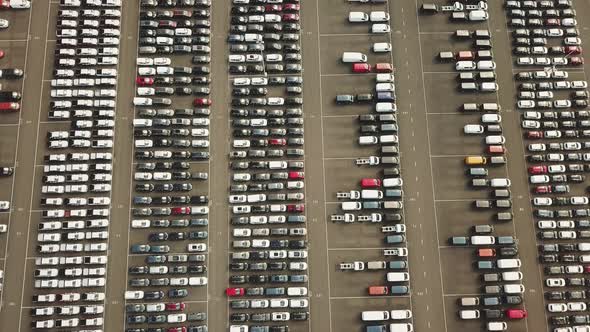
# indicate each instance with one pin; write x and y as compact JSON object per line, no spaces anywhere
{"x":488,"y":86}
{"x":392,"y":182}
{"x":371,"y":316}
{"x":277,"y":164}
{"x":469,"y":314}
{"x":371,"y":194}
{"x":478,"y":15}
{"x":388,"y":139}
{"x":486,"y":65}
{"x":401,"y":314}
{"x":473,"y":129}
{"x":465,"y":65}
{"x":349,"y":206}
{"x":495,"y":140}
{"x":355,"y":17}
{"x":511,"y":276}
{"x":379,"y":16}
{"x":512,"y":263}
{"x":534,"y":179}
{"x":398,"y":276}
{"x":497,"y":326}
{"x":142,"y":123}
{"x":385,"y":107}
{"x":401,"y":327}
{"x":348,"y":57}
{"x":368,"y":140}
{"x":500,"y":183}
{"x":381,"y":47}
{"x":481,"y":240}
{"x":380,"y":28}
{"x":513,"y":288}
{"x":385,"y":78}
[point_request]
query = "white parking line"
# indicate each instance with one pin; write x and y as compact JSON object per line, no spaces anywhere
{"x":376,"y":248}
{"x":36,"y":150}
{"x":430,"y":160}
{"x":365,"y":297}
{"x":449,"y":155}
{"x":341,"y":116}
{"x":441,"y":72}
{"x":323,"y":161}
{"x":346,"y":34}
{"x":347,"y":74}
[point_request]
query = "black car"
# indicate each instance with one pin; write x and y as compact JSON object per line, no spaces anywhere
{"x":239,"y":317}
{"x":156,"y":295}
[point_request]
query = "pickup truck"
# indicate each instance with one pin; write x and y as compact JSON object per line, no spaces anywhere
{"x":353,"y":194}
{"x":398,"y":228}
{"x":354,"y":266}
{"x":347,"y":217}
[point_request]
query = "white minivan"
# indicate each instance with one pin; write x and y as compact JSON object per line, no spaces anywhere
{"x":371,"y":316}
{"x":348,"y":57}
{"x":480,"y":240}
{"x":355,"y":17}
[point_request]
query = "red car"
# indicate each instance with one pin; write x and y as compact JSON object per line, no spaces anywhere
{"x":233,"y":292}
{"x":361,"y":68}
{"x":370,"y":183}
{"x":277,"y":141}
{"x":290,"y":17}
{"x":534,"y":134}
{"x":291,"y":7}
{"x":573,"y":50}
{"x":516,"y":313}
{"x":299,"y":208}
{"x":552,"y":22}
{"x":202,"y":102}
{"x":181,"y":210}
{"x":576,"y":61}
{"x":273,"y":8}
{"x":2,"y":54}
{"x":5,"y":4}
{"x":538,"y":169}
{"x":9,"y":107}
{"x":587,"y":269}
{"x":543,"y":190}
{"x":496,"y":149}
{"x":383,"y":68}
{"x":179,"y":306}
{"x":296,"y":175}
{"x":143,"y":81}
{"x":177,"y":329}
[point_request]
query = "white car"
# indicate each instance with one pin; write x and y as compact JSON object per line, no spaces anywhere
{"x":576,"y":306}
{"x":578,"y":200}
{"x":236,"y":58}
{"x":542,"y":201}
{"x":530,"y":124}
{"x":241,"y":81}
{"x":525,"y":61}
{"x":562,"y":103}
{"x":557,"y":307}
{"x":555,"y":282}
{"x":579,"y":84}
{"x":572,"y":41}
{"x":525,"y":104}
{"x":546,"y":224}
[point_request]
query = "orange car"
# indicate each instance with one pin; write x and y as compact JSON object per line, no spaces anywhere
{"x":378,"y":290}
{"x":486,"y":252}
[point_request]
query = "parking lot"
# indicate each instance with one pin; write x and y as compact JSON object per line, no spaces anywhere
{"x":438,"y":198}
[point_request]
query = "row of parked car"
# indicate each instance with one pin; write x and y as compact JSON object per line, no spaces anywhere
{"x":379,"y":198}
{"x":72,"y":239}
{"x":496,"y":257}
{"x":268,"y":263}
{"x":553,"y":122}
{"x":171,"y":147}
